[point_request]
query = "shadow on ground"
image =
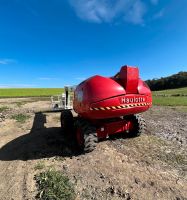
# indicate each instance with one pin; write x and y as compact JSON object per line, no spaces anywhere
{"x":41,"y":142}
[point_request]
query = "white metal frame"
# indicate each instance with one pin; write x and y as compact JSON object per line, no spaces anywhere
{"x":63,"y":101}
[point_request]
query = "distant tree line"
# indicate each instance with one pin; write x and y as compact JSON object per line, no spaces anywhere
{"x":171,"y":82}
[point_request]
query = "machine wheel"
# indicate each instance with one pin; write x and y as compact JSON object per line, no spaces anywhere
{"x":67,"y":122}
{"x":86,"y":136}
{"x":138,"y":125}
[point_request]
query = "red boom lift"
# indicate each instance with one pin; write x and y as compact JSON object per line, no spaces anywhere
{"x":107,"y":106}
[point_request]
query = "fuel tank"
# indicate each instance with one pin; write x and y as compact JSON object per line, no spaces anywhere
{"x":109,"y":97}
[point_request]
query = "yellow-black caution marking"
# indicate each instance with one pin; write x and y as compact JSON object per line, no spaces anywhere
{"x":121,"y":106}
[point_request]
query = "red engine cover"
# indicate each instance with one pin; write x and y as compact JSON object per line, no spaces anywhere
{"x":100,"y":97}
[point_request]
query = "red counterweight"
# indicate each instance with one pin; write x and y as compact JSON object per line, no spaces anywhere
{"x":129,"y":77}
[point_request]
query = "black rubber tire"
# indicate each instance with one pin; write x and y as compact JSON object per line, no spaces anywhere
{"x":89,"y":136}
{"x":139,"y":125}
{"x":67,"y":122}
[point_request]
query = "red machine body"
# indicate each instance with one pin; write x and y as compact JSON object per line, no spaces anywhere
{"x":124,"y":94}
{"x":107,"y":106}
{"x":105,"y":101}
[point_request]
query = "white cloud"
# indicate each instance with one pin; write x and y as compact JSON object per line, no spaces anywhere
{"x":99,"y":11}
{"x":6,"y":61}
{"x":17,"y":85}
{"x":135,"y":13}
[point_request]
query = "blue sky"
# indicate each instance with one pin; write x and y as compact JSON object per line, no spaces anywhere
{"x":46,"y":43}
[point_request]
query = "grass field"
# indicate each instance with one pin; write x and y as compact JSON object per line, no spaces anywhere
{"x":30,"y":92}
{"x":172,"y":92}
{"x":173,"y":97}
{"x":169,"y":101}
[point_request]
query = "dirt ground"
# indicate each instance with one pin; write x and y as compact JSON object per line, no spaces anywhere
{"x":153,"y":166}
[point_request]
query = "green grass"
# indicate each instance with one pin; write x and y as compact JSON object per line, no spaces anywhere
{"x":20,"y":103}
{"x":169,"y":101}
{"x":53,"y":185}
{"x":21,"y":118}
{"x":40,"y":165}
{"x":3,"y":109}
{"x":173,"y":97}
{"x":30,"y":92}
{"x":172,"y":92}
